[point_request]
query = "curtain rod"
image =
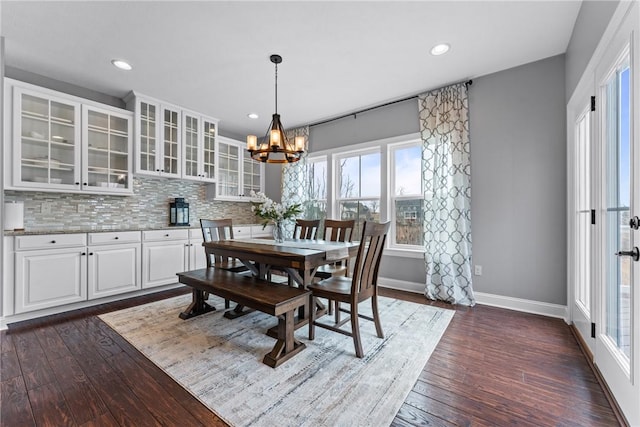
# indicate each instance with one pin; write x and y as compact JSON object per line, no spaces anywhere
{"x":355,"y":113}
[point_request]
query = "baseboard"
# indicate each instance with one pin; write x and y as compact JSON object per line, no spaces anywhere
{"x":510,"y":303}
{"x":7,"y":320}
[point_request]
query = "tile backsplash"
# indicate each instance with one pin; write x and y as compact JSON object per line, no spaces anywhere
{"x":147,"y":208}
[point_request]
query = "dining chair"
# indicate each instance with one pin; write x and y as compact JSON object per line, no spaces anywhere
{"x":336,"y":231}
{"x":353,"y":290}
{"x":306,"y":229}
{"x":221,"y":229}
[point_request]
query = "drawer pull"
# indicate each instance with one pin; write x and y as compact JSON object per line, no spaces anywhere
{"x":53,"y":241}
{"x":116,"y":237}
{"x":166,"y":235}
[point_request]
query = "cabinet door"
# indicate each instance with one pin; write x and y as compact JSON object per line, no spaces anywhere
{"x":113,"y":270}
{"x":49,"y":278}
{"x":171,"y":151}
{"x":148,"y":147}
{"x":106,"y":154}
{"x":46,"y":141}
{"x":252,"y":172}
{"x":228,"y":182}
{"x":191,"y":146}
{"x":162,"y":260}
{"x":207,"y":169}
{"x":197,"y":256}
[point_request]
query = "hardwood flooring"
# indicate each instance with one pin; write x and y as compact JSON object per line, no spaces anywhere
{"x":493,"y":367}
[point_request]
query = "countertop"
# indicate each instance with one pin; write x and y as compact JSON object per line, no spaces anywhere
{"x":99,"y":229}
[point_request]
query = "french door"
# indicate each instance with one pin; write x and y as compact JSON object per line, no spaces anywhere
{"x":617,"y":202}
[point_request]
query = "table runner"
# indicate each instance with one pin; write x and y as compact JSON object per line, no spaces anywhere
{"x":334,"y":251}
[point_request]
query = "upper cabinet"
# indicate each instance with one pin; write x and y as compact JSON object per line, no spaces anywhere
{"x":58,"y":142}
{"x":199,"y":147}
{"x":157,"y":137}
{"x":238,"y":174}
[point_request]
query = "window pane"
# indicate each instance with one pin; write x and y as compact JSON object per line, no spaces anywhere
{"x":361,"y":211}
{"x":370,"y":175}
{"x":409,"y":222}
{"x":349,"y":175}
{"x":315,"y":209}
{"x":407,"y":171}
{"x":318,"y":178}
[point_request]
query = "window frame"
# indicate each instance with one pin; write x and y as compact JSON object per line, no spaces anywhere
{"x":383,"y":146}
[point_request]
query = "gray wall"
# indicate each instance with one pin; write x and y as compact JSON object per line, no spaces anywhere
{"x":518,"y":178}
{"x":590,"y":24}
{"x":517,"y":128}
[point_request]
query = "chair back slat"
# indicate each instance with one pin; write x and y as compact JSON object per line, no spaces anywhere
{"x":338,"y":231}
{"x":306,"y":229}
{"x":365,"y":273}
{"x":214,"y":230}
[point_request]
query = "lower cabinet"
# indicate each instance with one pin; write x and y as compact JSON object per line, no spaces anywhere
{"x":164,"y":253}
{"x":113,"y":270}
{"x":50,"y":277}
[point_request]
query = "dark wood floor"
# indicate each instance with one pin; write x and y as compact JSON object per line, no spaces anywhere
{"x":493,"y":367}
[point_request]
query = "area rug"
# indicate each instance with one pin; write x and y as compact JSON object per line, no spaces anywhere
{"x":219,"y":361}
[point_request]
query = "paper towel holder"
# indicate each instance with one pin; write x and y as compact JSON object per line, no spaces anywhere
{"x":14,"y":216}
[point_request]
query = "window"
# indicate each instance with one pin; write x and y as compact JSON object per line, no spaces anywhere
{"x":374,"y":181}
{"x":405,"y":194}
{"x":358,"y":178}
{"x":316,"y":206}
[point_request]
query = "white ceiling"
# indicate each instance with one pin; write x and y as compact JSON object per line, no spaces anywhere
{"x":213,"y":57}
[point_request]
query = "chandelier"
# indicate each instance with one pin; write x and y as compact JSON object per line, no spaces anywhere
{"x":275,"y":147}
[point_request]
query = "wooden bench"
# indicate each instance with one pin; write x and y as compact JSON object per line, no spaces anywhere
{"x":271,"y":298}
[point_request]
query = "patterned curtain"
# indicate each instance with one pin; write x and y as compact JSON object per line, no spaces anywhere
{"x":295,"y":178}
{"x":446,"y":172}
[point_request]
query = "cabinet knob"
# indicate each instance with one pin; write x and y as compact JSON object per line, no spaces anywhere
{"x":53,"y":241}
{"x":166,"y":235}
{"x":116,"y":237}
{"x":84,"y":183}
{"x":90,"y":253}
{"x":77,"y":183}
{"x":157,"y":170}
{"x":83,"y":253}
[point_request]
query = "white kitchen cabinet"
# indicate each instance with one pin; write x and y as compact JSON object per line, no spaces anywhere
{"x":164,"y":253}
{"x":238,"y":173}
{"x":57,"y":142}
{"x":47,"y":277}
{"x":199,"y":135}
{"x":157,"y":136}
{"x":114,"y":263}
{"x":197,"y":256}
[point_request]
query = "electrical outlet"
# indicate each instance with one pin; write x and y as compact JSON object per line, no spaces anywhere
{"x":478,"y":270}
{"x":45,"y":208}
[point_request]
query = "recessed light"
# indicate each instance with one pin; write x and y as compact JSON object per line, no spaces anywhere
{"x":440,"y":49}
{"x":252,"y":116}
{"x":123,"y":65}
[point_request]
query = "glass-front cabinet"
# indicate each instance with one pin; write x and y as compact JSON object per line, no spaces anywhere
{"x":199,"y":139}
{"x":46,"y":141}
{"x":64,"y":143}
{"x":157,"y":136}
{"x":238,"y":174}
{"x":106,"y":154}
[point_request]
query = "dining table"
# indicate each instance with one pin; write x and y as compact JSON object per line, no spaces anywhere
{"x":299,"y":258}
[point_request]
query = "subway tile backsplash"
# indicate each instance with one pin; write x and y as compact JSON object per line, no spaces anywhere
{"x":147,"y":208}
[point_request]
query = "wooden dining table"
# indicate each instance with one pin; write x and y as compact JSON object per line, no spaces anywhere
{"x":299,"y":258}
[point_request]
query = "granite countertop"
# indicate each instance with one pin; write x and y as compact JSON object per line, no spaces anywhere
{"x":58,"y":229}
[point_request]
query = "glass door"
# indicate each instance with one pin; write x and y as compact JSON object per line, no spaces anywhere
{"x":617,"y":346}
{"x":191,"y":149}
{"x":251,"y":175}
{"x":147,"y":139}
{"x":171,"y":142}
{"x":209,"y":150}
{"x":228,"y":170}
{"x":47,"y":141}
{"x":106,"y":157}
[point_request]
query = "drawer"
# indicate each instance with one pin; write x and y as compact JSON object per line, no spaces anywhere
{"x":114,"y":237}
{"x":50,"y":241}
{"x":169,"y":234}
{"x":240,"y":232}
{"x":195,"y":233}
{"x":258,"y":231}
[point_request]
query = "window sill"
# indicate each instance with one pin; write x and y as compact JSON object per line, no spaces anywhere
{"x":404,"y":253}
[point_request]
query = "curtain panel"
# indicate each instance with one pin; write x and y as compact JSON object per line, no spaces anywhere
{"x":295,"y":178}
{"x":446,"y":176}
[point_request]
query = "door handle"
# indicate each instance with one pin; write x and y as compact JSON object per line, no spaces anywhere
{"x":634,"y":253}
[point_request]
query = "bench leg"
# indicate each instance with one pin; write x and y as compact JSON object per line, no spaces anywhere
{"x":197,"y":307}
{"x":287,"y":345}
